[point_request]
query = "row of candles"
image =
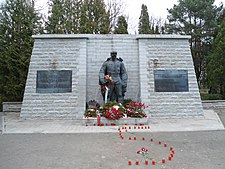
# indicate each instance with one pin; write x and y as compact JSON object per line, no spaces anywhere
{"x":153,"y":162}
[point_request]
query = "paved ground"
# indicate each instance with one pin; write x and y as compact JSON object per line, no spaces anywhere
{"x":193,"y":149}
{"x":13,"y":124}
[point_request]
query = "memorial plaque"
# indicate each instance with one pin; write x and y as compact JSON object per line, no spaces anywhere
{"x":171,"y":80}
{"x":54,"y":81}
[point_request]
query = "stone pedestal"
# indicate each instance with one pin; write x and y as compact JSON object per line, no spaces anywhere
{"x":92,"y":121}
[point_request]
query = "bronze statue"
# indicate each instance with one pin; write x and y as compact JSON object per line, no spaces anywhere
{"x":113,"y":76}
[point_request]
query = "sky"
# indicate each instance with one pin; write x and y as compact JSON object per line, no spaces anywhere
{"x":156,"y":8}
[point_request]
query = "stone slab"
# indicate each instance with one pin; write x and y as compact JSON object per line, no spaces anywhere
{"x":91,"y":121}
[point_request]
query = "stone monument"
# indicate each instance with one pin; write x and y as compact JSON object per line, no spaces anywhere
{"x":63,"y":74}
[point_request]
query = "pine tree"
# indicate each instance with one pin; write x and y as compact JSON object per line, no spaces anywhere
{"x":56,"y":19}
{"x":198,"y":19}
{"x":216,"y":64}
{"x":144,"y":24}
{"x":19,"y":21}
{"x":94,"y":17}
{"x":121,"y":27}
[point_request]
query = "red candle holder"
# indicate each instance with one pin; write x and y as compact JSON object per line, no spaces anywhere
{"x":165,"y":145}
{"x":171,"y":148}
{"x":137,"y":162}
{"x":135,"y":138}
{"x":146,"y":162}
{"x":160,"y":142}
{"x":129,"y":162}
{"x":143,"y":138}
{"x":153,"y":162}
{"x":151,"y":139}
{"x":129,"y":138}
{"x":169,"y":158}
{"x":172,"y":152}
{"x":163,"y":161}
{"x":134,"y":127}
{"x":171,"y":155}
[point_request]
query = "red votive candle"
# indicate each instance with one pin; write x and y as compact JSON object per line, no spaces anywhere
{"x":171,"y":148}
{"x":153,"y":162}
{"x":165,"y":145}
{"x":151,"y":139}
{"x":160,"y":142}
{"x":134,"y":127}
{"x":163,"y":161}
{"x":143,"y":138}
{"x":146,"y":162}
{"x":129,"y":162}
{"x":134,"y":138}
{"x":169,"y":158}
{"x":137,"y":162}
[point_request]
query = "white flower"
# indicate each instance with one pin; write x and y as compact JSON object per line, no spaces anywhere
{"x":116,"y":107}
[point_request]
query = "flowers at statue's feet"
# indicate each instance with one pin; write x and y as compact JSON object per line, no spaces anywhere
{"x":135,"y":109}
{"x":114,"y":110}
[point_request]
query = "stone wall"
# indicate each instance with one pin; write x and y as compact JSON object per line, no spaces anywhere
{"x":98,"y":50}
{"x":56,"y":54}
{"x":163,"y":54}
{"x":84,"y":55}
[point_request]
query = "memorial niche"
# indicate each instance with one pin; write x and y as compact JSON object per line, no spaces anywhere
{"x":54,"y":81}
{"x":171,"y":80}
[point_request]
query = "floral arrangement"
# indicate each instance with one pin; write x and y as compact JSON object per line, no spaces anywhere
{"x":114,"y":110}
{"x":108,"y":78}
{"x":134,"y":109}
{"x":92,"y":109}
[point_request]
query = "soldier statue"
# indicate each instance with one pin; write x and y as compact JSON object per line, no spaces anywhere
{"x":114,"y":68}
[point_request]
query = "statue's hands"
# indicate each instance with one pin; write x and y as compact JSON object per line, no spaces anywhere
{"x":103,"y":81}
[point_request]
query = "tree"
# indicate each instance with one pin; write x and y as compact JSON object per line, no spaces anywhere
{"x":64,"y":16}
{"x":18,"y":22}
{"x":216,"y":64}
{"x":144,"y":24}
{"x":94,"y":17}
{"x":198,"y":19}
{"x":121,"y":27}
{"x":115,"y":9}
{"x":55,"y":23}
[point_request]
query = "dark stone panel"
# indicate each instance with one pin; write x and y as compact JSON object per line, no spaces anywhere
{"x":171,"y":80}
{"x":54,"y":81}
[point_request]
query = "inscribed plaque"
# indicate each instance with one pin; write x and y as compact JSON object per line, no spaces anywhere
{"x":54,"y":81}
{"x":171,"y":80}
